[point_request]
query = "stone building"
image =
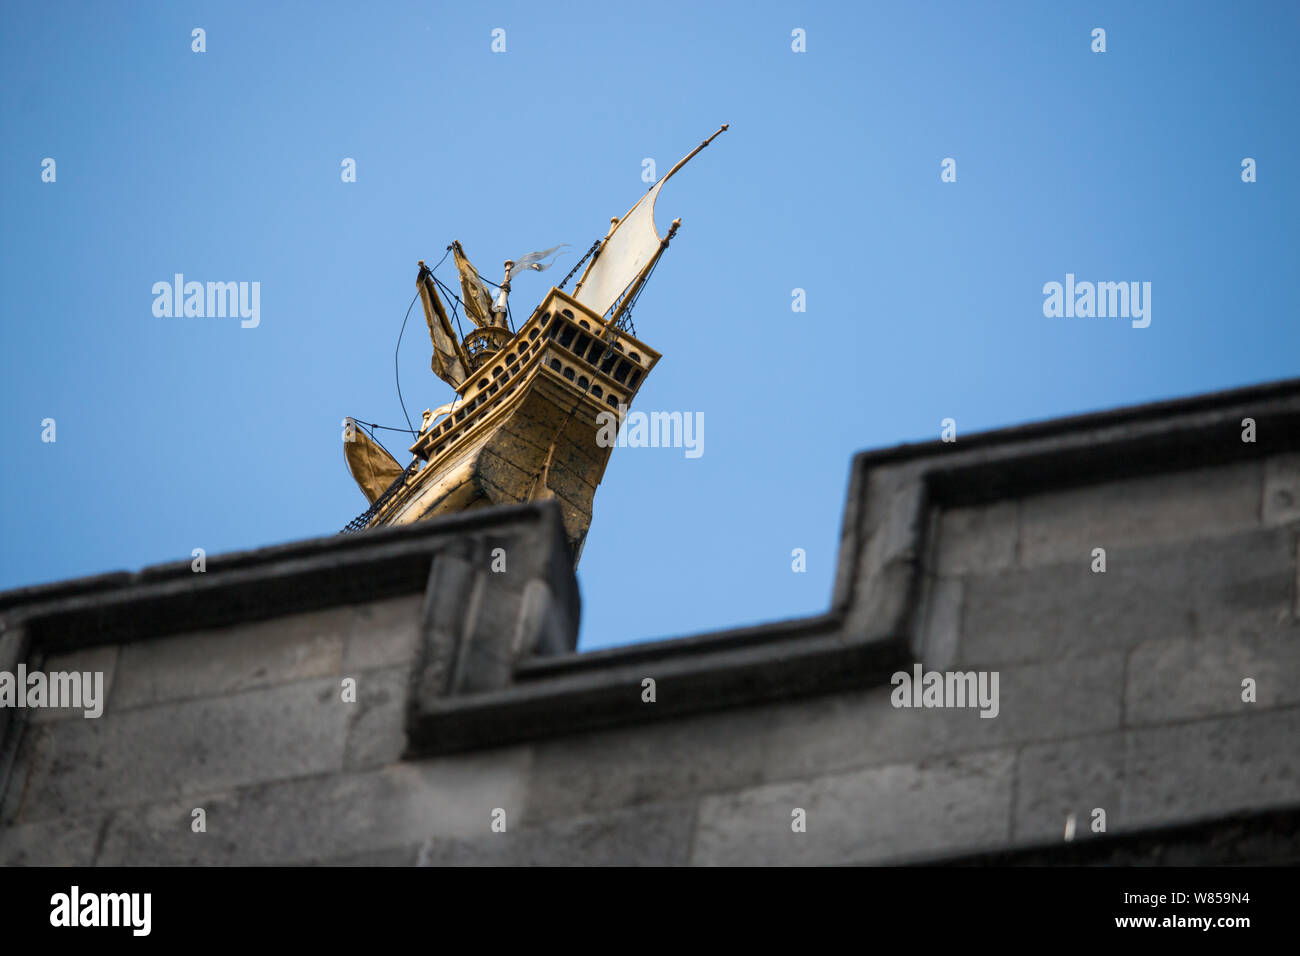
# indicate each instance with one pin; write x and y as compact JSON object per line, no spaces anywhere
{"x":388,"y":698}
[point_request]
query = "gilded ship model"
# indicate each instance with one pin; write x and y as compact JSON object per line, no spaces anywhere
{"x":527,"y":413}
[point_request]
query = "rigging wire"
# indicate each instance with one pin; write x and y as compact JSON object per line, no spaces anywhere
{"x":388,"y":428}
{"x":397,"y":375}
{"x":572,"y":271}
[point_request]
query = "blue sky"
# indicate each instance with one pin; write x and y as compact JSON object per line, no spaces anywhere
{"x":924,"y":298}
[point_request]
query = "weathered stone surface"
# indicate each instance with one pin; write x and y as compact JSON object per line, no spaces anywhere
{"x":142,"y":755}
{"x":90,"y":660}
{"x":978,"y":540}
{"x":12,"y":648}
{"x":231,"y":659}
{"x":646,"y":835}
{"x":326,"y":817}
{"x":1281,"y":490}
{"x":377,"y":732}
{"x":1228,"y":587}
{"x":1209,"y":767}
{"x":1189,"y":678}
{"x":1064,"y":527}
{"x":888,"y":558}
{"x":579,"y":774}
{"x":1074,"y":776}
{"x":938,"y":640}
{"x":64,"y":842}
{"x":869,"y":816}
{"x":1249,"y":838}
{"x":861,"y":729}
{"x":18,"y":758}
{"x":383,"y":634}
{"x":391,"y":857}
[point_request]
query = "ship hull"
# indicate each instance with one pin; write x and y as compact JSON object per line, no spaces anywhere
{"x":529,"y":422}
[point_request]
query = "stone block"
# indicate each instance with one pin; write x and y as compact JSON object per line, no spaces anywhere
{"x":383,"y":634}
{"x":1064,"y":527}
{"x":326,"y":818}
{"x":656,"y":761}
{"x":645,"y":835}
{"x":1054,"y":780}
{"x":1189,"y":678}
{"x":1206,"y":768}
{"x":62,"y":842}
{"x":89,"y":660}
{"x":1227,"y":587}
{"x":885,"y":814}
{"x":977,"y":540}
{"x":1037,"y":702}
{"x":231,"y":659}
{"x":195,"y":746}
{"x":377,"y":732}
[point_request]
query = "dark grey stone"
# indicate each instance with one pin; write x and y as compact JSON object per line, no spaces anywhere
{"x":324,"y":818}
{"x":152,"y":753}
{"x":1281,"y":490}
{"x":979,"y":539}
{"x":1199,"y":677}
{"x":64,"y":842}
{"x":647,"y":835}
{"x":1227,"y":588}
{"x":1181,"y":506}
{"x":884,"y":814}
{"x":1207,"y":768}
{"x":1037,"y":702}
{"x":582,"y":773}
{"x":1055,"y":780}
{"x":232,"y":659}
{"x":377,"y":732}
{"x":383,"y":634}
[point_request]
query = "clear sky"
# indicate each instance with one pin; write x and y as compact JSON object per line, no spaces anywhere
{"x":924,"y":298}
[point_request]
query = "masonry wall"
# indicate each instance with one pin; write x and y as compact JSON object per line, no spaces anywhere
{"x":1120,"y":690}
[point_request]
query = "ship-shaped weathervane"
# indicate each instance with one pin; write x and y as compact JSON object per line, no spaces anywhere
{"x":527,"y":412}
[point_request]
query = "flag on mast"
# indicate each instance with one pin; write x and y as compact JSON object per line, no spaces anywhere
{"x":478,"y":302}
{"x":449,"y":361}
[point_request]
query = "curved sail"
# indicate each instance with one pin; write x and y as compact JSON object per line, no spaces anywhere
{"x":628,"y":250}
{"x":373,"y":468}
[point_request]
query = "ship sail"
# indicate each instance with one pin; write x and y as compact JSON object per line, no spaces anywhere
{"x":478,"y":303}
{"x":373,"y":468}
{"x":449,"y":361}
{"x":628,"y":251}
